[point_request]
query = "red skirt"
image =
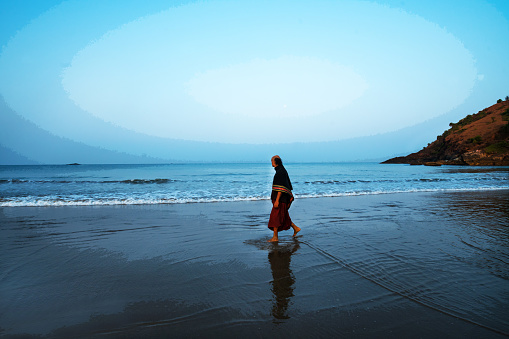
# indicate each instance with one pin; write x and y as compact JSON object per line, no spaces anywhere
{"x":279,"y":218}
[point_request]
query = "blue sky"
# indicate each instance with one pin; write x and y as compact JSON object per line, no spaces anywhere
{"x":127,"y":81}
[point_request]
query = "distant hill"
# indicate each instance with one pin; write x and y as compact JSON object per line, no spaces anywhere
{"x":480,"y":139}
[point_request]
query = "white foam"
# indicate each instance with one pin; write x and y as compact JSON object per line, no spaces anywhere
{"x":55,"y":202}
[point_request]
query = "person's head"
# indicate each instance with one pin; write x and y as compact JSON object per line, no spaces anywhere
{"x":276,"y":161}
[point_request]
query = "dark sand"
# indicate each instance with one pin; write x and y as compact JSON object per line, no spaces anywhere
{"x":422,"y":265}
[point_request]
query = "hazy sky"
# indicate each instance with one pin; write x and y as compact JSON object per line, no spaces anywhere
{"x":226,"y":80}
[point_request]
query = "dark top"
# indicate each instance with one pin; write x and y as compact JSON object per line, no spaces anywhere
{"x":281,"y":183}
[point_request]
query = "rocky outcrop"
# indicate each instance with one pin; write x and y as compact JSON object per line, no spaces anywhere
{"x":480,"y":139}
{"x":481,"y":158}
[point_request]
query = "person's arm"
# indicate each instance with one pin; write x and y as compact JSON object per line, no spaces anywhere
{"x":276,"y":203}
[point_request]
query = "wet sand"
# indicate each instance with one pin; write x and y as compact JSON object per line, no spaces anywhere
{"x":396,"y":265}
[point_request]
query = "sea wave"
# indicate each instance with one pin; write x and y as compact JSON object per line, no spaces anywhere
{"x":104,"y":201}
{"x":416,"y":180}
{"x":130,"y":181}
{"x":58,"y":181}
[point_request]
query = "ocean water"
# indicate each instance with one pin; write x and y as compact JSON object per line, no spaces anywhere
{"x":66,"y":185}
{"x":155,"y":264}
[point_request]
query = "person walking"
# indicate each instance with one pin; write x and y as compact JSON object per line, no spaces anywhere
{"x":282,"y":198}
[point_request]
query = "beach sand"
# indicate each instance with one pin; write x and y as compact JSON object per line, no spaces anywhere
{"x":422,"y":265}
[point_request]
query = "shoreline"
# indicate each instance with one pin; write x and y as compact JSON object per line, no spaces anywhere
{"x":207,"y":269}
{"x":240,"y":199}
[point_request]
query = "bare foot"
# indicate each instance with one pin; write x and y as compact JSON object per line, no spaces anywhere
{"x":296,"y":229}
{"x":273,"y":240}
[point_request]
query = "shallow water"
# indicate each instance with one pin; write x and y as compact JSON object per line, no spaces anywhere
{"x":426,"y":264}
{"x":451,"y":254}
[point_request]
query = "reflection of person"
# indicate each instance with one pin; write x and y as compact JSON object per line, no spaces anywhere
{"x":282,"y":198}
{"x":282,"y":280}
